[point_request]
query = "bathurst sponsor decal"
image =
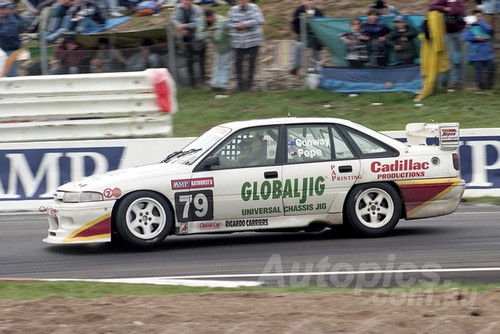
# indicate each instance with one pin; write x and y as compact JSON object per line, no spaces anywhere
{"x":407,"y":168}
{"x":204,"y":182}
{"x":418,"y":194}
{"x":289,"y":188}
{"x":99,"y":228}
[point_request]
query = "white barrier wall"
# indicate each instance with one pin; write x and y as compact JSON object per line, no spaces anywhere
{"x":85,"y":106}
{"x":58,"y":128}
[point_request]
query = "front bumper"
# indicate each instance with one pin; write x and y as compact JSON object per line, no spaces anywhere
{"x":79,"y":222}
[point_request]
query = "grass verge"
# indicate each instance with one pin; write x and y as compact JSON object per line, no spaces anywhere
{"x":85,"y":290}
{"x":199,"y":110}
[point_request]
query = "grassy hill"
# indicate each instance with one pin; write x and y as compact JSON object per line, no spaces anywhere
{"x":199,"y":110}
{"x":278,"y":13}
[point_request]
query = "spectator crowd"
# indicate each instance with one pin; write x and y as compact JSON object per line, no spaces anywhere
{"x":235,"y":39}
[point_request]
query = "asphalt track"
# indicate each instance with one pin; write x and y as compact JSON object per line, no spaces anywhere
{"x":463,"y":247}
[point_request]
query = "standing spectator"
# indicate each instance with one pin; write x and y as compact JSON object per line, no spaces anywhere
{"x":58,"y":23}
{"x":70,"y":58}
{"x":402,"y":41}
{"x":375,"y":38}
{"x":356,"y":51}
{"x":480,"y":51}
{"x":110,"y":7}
{"x":25,"y":12}
{"x":454,"y":12}
{"x":491,"y":8}
{"x":3,"y":61}
{"x":308,"y":10}
{"x":383,"y":9}
{"x":185,"y":17}
{"x":10,"y":28}
{"x":214,"y":28}
{"x":246,"y":20}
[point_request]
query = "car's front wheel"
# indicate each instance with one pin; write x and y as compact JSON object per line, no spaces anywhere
{"x":373,"y":209}
{"x":143,"y":219}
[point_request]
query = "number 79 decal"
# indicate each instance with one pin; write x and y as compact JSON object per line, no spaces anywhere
{"x":194,"y":205}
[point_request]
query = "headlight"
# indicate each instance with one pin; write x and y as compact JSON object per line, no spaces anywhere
{"x":79,"y":197}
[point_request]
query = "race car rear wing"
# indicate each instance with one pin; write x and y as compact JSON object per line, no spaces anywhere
{"x":445,"y":135}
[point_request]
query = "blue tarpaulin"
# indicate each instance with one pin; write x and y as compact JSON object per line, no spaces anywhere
{"x":379,"y":79}
{"x":341,"y":78}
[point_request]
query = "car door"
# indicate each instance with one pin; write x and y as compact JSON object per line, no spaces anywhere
{"x":320,"y":169}
{"x":244,"y":179}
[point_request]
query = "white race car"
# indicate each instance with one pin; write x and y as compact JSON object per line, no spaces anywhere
{"x":268,"y":175}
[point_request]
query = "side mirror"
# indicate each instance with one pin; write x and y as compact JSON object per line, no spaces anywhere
{"x":209,"y":162}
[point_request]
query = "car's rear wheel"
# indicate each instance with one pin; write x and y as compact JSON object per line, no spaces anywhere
{"x":373,"y":209}
{"x":143,"y":219}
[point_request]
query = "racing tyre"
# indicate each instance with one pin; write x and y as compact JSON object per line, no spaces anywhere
{"x":373,"y":209}
{"x":143,"y":219}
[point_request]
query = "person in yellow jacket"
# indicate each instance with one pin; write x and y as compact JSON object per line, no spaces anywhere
{"x":433,"y":55}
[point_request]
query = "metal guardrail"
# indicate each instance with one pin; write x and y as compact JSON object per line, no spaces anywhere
{"x":80,"y":107}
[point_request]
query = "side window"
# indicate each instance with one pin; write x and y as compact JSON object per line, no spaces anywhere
{"x":308,"y":143}
{"x":340,"y":148}
{"x":368,"y":145}
{"x":250,"y":147}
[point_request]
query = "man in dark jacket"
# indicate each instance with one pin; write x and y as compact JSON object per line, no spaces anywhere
{"x":402,"y":41}
{"x":454,"y":13}
{"x":308,"y":10}
{"x":375,"y":37}
{"x":10,"y":28}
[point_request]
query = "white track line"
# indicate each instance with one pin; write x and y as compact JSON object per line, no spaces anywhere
{"x":323,"y":273}
{"x":215,"y":280}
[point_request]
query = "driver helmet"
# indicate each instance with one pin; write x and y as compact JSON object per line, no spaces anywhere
{"x":249,"y":147}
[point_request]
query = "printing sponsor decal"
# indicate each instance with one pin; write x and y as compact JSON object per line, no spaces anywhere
{"x":204,"y":182}
{"x":340,"y":178}
{"x":407,"y":168}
